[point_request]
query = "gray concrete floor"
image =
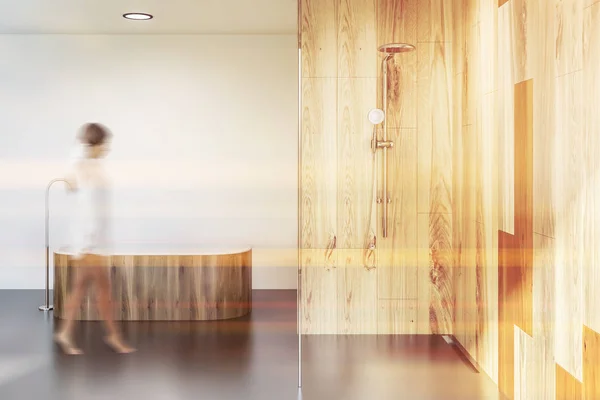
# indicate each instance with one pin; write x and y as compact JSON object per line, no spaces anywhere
{"x":247,"y":358}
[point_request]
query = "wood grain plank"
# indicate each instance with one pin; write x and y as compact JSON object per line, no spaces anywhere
{"x":473,"y":74}
{"x":591,"y":94}
{"x":567,"y":386}
{"x":524,"y":359}
{"x":524,"y":199}
{"x":522,"y":42}
{"x":488,"y":52}
{"x":319,"y":38}
{"x":319,"y":291}
{"x":397,"y":265}
{"x":505,"y":115}
{"x":544,"y":131}
{"x":543,"y":315}
{"x":569,"y":33}
{"x":397,"y":23}
{"x":435,"y":128}
{"x":459,"y":23}
{"x":319,"y":163}
{"x":435,"y":294}
{"x":591,"y":363}
{"x":434,"y":21}
{"x":569,"y":184}
{"x":397,"y":317}
{"x":319,"y":205}
{"x":356,"y":39}
{"x":356,"y":294}
{"x":507,"y":279}
{"x":355,"y":164}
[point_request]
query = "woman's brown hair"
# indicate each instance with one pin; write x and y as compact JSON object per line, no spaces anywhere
{"x":94,"y":134}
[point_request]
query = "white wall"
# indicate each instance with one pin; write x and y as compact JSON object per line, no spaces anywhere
{"x":205,"y":148}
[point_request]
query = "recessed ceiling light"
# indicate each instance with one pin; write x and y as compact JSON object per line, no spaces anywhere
{"x":137,"y":16}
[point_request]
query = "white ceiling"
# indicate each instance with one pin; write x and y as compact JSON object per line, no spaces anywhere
{"x":170,"y":16}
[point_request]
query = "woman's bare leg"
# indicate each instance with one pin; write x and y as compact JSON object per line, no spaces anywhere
{"x":64,"y":336}
{"x":113,"y":336}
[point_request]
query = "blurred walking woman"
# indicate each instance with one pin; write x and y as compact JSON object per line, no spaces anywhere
{"x":90,"y":248}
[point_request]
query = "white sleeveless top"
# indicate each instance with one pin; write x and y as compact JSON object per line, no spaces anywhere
{"x":89,"y":227}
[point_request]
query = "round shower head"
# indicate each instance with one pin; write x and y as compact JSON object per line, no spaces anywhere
{"x":393,"y":48}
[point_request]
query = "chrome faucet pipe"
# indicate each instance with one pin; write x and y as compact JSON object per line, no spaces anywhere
{"x":47,"y":306}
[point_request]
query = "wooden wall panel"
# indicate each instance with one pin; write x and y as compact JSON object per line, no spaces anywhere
{"x":567,"y":387}
{"x":357,"y":301}
{"x":339,"y":40}
{"x":355,"y":163}
{"x":506,"y":136}
{"x":435,"y":306}
{"x":319,"y":205}
{"x":569,"y":183}
{"x":591,"y":364}
{"x":356,"y":276}
{"x":591,"y":94}
{"x":434,"y":21}
{"x":356,"y":39}
{"x":319,"y":163}
{"x":569,"y":32}
{"x":319,"y":291}
{"x":397,"y":262}
{"x":543,"y":315}
{"x":524,"y":360}
{"x":397,"y":316}
{"x":434,"y":120}
{"x":524,"y":199}
{"x":397,"y":23}
{"x":319,"y":38}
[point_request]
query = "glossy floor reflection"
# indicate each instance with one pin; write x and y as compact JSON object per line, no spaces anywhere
{"x":248,"y":358}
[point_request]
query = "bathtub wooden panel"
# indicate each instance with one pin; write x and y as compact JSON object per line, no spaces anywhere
{"x":165,"y":287}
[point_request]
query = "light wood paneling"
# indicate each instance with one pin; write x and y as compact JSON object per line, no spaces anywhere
{"x":357,"y":294}
{"x":521,"y":21}
{"x":435,"y":136}
{"x":356,"y":277}
{"x":434,"y":21}
{"x":591,"y":94}
{"x":569,"y":183}
{"x":319,"y":38}
{"x":567,"y":387}
{"x":319,"y":291}
{"x":319,"y":163}
{"x":543,"y":315}
{"x":435,"y":305}
{"x":355,"y":164}
{"x":397,"y":316}
{"x":524,"y":199}
{"x":339,"y":41}
{"x":397,"y":23}
{"x":164,"y":287}
{"x":544,"y":129}
{"x":318,"y":228}
{"x":356,"y":39}
{"x":569,"y":32}
{"x":524,"y":360}
{"x":397,"y":265}
{"x":488,"y":53}
{"x":505,"y":115}
{"x":591,"y":364}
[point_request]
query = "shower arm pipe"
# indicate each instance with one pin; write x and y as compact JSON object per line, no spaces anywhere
{"x":386,"y":199}
{"x":47,"y":306}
